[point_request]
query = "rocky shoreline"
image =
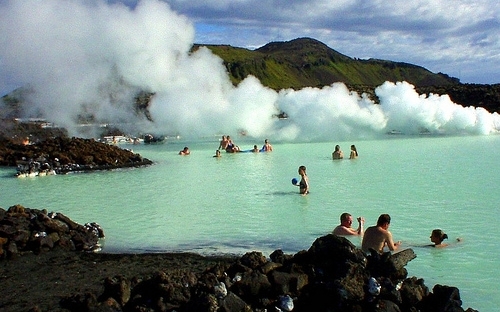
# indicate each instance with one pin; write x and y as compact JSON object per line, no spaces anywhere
{"x":63,"y":155}
{"x":62,"y":274}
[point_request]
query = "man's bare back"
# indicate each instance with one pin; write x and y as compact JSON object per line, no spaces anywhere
{"x":377,"y":237}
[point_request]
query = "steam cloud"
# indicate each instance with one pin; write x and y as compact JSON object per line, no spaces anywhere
{"x":84,"y":57}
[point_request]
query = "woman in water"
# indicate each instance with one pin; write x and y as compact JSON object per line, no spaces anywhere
{"x":437,"y":237}
{"x":231,"y":147}
{"x":354,"y":152}
{"x":304,"y":181}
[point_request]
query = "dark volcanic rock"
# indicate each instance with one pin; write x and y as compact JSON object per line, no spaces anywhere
{"x":32,"y":230}
{"x":68,"y":155}
{"x":333,"y":275}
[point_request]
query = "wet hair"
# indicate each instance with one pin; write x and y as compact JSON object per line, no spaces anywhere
{"x":303,"y":168}
{"x":383,"y":218}
{"x":344,"y":216}
{"x":439,"y":233}
{"x":337,"y":147}
{"x":353,"y":147}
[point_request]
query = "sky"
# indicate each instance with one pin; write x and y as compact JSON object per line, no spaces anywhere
{"x":459,"y":38}
{"x":91,"y":57}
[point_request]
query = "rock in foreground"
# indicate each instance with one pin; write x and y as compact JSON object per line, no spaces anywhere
{"x":333,"y":275}
{"x":32,"y":230}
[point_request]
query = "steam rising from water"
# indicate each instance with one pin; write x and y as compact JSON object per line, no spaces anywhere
{"x":86,"y":57}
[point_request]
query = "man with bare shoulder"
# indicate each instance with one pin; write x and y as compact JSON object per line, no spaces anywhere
{"x":267,"y":147}
{"x":345,"y":226}
{"x":379,"y":236}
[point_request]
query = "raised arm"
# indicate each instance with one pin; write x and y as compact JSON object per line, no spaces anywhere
{"x":360,"y":230}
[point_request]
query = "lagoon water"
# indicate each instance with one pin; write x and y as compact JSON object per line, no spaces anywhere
{"x":244,"y":202}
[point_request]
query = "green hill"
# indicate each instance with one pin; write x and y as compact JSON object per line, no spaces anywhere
{"x":306,"y":62}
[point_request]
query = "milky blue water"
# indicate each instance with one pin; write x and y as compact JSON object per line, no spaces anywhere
{"x":244,"y":202}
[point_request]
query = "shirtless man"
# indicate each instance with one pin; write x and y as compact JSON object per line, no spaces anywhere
{"x":376,"y":237}
{"x":345,"y":226}
{"x":223,"y":143}
{"x":337,"y":153}
{"x":267,"y":147}
{"x":185,"y":151}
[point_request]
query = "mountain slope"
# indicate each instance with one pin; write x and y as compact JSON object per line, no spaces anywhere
{"x":306,"y":62}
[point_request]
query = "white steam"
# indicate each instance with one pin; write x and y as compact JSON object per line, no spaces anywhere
{"x":86,"y":58}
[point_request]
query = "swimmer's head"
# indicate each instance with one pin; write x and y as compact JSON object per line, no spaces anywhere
{"x":384,"y":219}
{"x":344,"y":217}
{"x":437,"y":236}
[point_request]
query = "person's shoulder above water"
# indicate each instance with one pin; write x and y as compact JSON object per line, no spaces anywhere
{"x":337,"y":153}
{"x":267,"y":147}
{"x":185,"y":151}
{"x":354,"y":152}
{"x":223,"y":143}
{"x":438,"y":236}
{"x":231,"y":147}
{"x":378,"y":236}
{"x":345,"y":226}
